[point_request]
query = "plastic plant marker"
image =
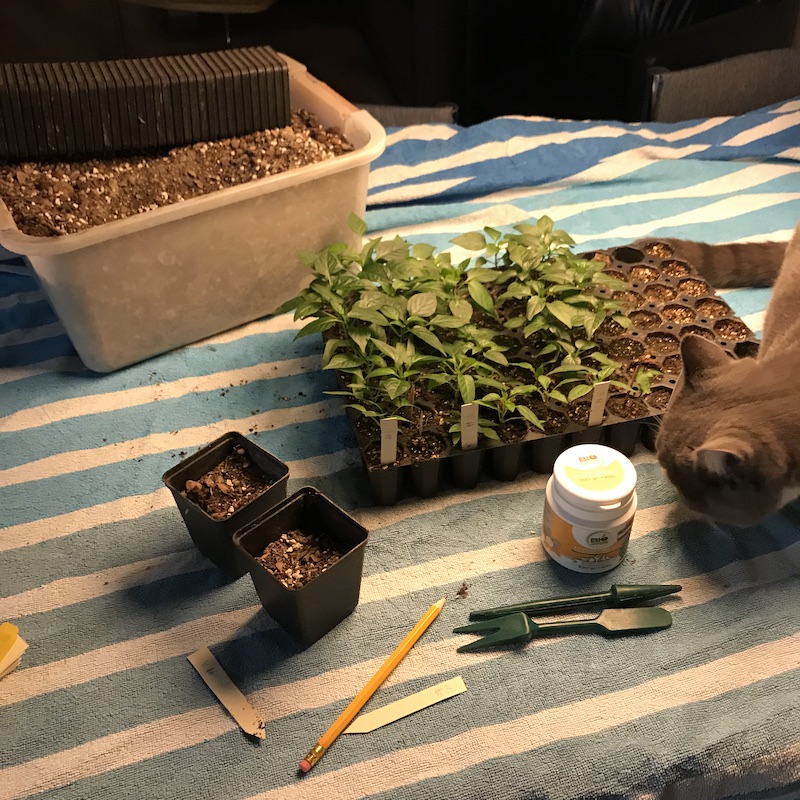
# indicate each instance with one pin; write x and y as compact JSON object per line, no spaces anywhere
{"x":372,"y":720}
{"x":599,"y":397}
{"x":388,"y":440}
{"x":469,"y":426}
{"x":227,"y":692}
{"x":519,"y":628}
{"x":618,"y":596}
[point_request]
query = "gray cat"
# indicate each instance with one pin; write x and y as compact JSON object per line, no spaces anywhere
{"x":730,"y":439}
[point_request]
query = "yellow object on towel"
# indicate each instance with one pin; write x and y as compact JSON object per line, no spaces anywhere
{"x":12,"y":646}
{"x":9,"y":634}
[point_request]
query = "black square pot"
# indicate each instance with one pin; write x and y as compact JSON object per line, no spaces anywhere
{"x":311,"y":611}
{"x":214,"y":537}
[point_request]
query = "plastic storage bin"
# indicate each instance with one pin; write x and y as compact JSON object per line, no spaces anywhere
{"x":140,"y":286}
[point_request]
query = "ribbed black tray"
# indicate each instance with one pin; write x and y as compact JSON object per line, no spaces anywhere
{"x":666,"y":299}
{"x":102,"y":108}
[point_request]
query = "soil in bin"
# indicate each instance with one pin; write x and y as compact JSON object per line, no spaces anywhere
{"x":233,"y":483}
{"x":56,"y":198}
{"x":297,"y":556}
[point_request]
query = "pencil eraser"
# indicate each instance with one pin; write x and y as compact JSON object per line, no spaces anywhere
{"x":305,"y":765}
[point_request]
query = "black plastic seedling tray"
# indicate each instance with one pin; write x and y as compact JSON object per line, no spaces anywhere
{"x":666,"y":300}
{"x":125,"y":106}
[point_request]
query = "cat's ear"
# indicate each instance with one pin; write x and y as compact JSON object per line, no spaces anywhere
{"x":699,"y":355}
{"x":725,"y":457}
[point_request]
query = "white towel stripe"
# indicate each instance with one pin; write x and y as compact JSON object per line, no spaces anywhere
{"x":99,"y":403}
{"x":775,"y":125}
{"x":187,"y":438}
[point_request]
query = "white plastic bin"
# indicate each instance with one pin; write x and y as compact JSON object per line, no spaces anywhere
{"x":133,"y":288}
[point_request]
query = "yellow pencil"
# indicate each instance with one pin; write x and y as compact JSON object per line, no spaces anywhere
{"x":357,"y":703}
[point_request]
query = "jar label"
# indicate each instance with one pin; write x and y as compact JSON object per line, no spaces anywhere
{"x":591,"y":549}
{"x":594,"y":476}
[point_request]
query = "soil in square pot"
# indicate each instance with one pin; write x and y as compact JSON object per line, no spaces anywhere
{"x":223,"y":487}
{"x":309,"y":601}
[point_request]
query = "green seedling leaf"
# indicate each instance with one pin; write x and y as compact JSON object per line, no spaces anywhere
{"x":622,"y":320}
{"x":331,"y":346}
{"x":466,"y":388}
{"x":429,"y":337}
{"x":527,"y":414}
{"x":368,"y":315}
{"x":317,"y":326}
{"x":470,"y":241}
{"x":579,"y":391}
{"x":446,"y":321}
{"x":562,"y":312}
{"x":361,"y":337}
{"x":422,"y":251}
{"x":344,"y":361}
{"x":481,"y":296}
{"x":461,"y":309}
{"x":357,"y":225}
{"x":534,"y":306}
{"x":422,"y":304}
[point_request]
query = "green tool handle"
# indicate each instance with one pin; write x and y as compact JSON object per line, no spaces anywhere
{"x":569,"y":626}
{"x":539,"y":606}
{"x":619,"y":596}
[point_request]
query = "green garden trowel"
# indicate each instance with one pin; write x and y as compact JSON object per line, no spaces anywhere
{"x":518,"y":628}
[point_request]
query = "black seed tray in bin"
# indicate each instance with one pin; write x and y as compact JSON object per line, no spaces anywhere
{"x":666,"y":300}
{"x":126,"y":106}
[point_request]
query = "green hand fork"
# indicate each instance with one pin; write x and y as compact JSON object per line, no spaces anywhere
{"x":519,"y":627}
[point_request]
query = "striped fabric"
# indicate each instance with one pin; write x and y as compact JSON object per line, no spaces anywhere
{"x":98,"y":571}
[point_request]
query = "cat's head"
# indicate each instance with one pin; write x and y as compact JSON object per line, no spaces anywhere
{"x":721,"y":441}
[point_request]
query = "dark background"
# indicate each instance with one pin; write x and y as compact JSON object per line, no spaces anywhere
{"x":565,"y":58}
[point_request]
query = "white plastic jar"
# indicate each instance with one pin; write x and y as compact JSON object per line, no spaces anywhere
{"x":590,"y":503}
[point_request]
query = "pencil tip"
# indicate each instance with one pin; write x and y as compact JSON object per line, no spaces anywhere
{"x":440,"y":603}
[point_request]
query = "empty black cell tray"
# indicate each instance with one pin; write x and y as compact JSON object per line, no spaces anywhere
{"x":103,"y":108}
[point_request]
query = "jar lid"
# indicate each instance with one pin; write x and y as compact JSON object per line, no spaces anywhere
{"x":594,"y":474}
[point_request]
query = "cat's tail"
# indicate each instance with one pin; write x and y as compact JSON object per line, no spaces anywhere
{"x":728,"y":265}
